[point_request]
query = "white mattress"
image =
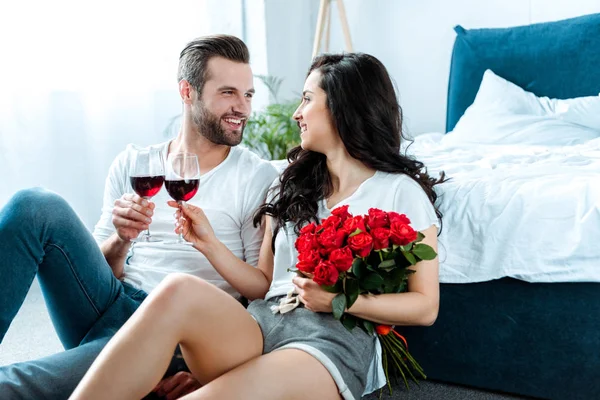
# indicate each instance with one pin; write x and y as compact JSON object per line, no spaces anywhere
{"x":527,"y":212}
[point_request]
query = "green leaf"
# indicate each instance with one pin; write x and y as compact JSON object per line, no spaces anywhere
{"x":349,"y":321}
{"x":389,"y":287}
{"x":420,"y":236}
{"x":339,"y":305}
{"x":424,"y":251}
{"x":372,"y":281}
{"x":352,"y":291}
{"x":402,"y":287}
{"x":358,"y":268}
{"x":369,"y":327}
{"x":397,"y":276}
{"x":387,"y":264}
{"x":356,"y":232}
{"x":411,"y":259}
{"x":408,"y":247}
{"x":330,"y":289}
{"x":272,"y":132}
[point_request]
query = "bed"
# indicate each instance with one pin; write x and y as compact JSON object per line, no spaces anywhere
{"x":530,"y":325}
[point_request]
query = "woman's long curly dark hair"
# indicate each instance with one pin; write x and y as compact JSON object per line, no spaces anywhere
{"x":365,"y":111}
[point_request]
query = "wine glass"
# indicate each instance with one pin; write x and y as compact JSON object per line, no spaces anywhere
{"x":146,"y":176}
{"x":182,"y":181}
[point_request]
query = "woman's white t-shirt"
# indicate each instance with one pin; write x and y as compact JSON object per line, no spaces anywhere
{"x":385,"y":191}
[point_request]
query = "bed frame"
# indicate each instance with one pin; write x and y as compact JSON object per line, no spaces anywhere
{"x":534,"y":339}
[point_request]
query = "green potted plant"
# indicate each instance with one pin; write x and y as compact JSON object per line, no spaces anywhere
{"x":272,"y":132}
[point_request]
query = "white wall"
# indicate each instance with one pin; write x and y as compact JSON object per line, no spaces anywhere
{"x":80,"y":80}
{"x":290,"y":32}
{"x":412,"y":38}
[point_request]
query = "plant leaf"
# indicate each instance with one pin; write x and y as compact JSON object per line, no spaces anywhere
{"x":349,"y":321}
{"x":398,"y":275}
{"x":339,"y":305}
{"x":356,"y":232}
{"x":358,"y":268}
{"x":373,"y":281}
{"x":387,"y":264}
{"x":330,"y":289}
{"x":411,"y":259}
{"x":369,"y":327}
{"x":424,"y":251}
{"x":401,"y":288}
{"x":352,"y":291}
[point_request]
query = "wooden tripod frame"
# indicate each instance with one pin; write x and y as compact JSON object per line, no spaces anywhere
{"x":324,"y":24}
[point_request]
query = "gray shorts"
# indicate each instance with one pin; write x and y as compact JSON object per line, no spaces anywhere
{"x":346,"y":355}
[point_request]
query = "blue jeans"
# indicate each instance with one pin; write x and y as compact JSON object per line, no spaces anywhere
{"x":41,"y":235}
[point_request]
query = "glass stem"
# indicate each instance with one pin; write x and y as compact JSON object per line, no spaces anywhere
{"x":147,"y":230}
{"x":180,"y":202}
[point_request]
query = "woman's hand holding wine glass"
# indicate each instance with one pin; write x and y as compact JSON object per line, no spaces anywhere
{"x":182,"y":182}
{"x":193,"y":225}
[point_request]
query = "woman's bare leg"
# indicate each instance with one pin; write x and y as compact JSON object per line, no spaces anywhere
{"x":288,"y":374}
{"x":216,"y":335}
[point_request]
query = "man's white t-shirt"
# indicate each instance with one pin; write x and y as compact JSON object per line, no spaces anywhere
{"x":229,"y":194}
{"x":385,"y":191}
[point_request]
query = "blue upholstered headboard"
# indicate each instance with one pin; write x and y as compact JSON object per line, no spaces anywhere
{"x":556,"y":59}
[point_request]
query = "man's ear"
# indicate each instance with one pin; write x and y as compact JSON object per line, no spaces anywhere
{"x":185,"y":91}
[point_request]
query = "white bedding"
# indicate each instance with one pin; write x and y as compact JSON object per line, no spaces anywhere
{"x":521,"y":211}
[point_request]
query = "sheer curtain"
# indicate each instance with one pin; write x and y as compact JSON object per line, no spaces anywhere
{"x":81,"y":79}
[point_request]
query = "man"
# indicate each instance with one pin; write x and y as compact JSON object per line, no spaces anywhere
{"x":92,"y":290}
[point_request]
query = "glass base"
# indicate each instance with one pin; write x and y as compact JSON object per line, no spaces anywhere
{"x":146,"y":239}
{"x":178,"y":241}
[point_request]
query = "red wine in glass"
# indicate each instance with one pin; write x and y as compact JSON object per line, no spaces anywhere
{"x":147,"y":186}
{"x":147,"y":176}
{"x":182,"y":181}
{"x":182,"y":190}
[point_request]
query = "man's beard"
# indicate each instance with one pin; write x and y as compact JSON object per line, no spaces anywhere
{"x":209,"y":126}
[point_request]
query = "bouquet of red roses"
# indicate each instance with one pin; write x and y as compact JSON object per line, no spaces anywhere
{"x":370,"y":254}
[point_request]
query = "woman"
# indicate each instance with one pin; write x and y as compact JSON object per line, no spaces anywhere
{"x":350,"y":124}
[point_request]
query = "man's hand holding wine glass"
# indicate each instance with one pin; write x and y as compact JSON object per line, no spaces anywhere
{"x":132,"y":215}
{"x":146,"y":178}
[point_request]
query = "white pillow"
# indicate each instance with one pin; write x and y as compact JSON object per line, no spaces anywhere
{"x":503,"y":113}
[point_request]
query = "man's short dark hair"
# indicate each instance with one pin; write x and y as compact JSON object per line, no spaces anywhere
{"x":193,"y":60}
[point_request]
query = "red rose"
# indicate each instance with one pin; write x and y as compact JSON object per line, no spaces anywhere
{"x":395,"y":217}
{"x":402,"y":234}
{"x":381,"y":238}
{"x":325,"y":251}
{"x":383,"y":329}
{"x":310,"y":228}
{"x":326,"y":274}
{"x":361,"y":244}
{"x":306,"y":242}
{"x":332,"y":221}
{"x":378,"y":219}
{"x":308,"y":260}
{"x":331,"y":238}
{"x":354,"y":223}
{"x":341,"y":258}
{"x":341,"y":212}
